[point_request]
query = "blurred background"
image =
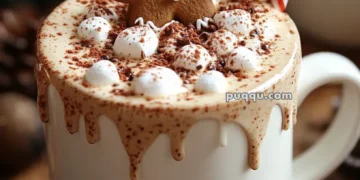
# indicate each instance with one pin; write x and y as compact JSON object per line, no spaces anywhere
{"x":325,"y":25}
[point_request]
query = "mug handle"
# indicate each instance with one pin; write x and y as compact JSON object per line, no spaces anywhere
{"x":329,"y":152}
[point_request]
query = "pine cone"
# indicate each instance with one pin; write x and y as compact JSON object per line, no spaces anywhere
{"x":18,"y":29}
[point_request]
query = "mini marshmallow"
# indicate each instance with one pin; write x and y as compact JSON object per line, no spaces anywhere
{"x":222,"y":42}
{"x":102,"y":73}
{"x":242,"y":58}
{"x":157,"y":82}
{"x":236,"y":21}
{"x":104,"y":12}
{"x":94,"y":29}
{"x":136,"y":42}
{"x":211,"y":82}
{"x":253,"y":44}
{"x":268,"y":30}
{"x":192,"y":57}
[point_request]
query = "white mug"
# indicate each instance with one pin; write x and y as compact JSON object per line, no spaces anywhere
{"x":332,"y":21}
{"x":72,"y":157}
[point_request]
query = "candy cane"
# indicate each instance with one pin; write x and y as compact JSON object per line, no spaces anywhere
{"x":280,"y":4}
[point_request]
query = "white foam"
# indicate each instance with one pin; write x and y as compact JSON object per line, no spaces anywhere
{"x":136,"y":42}
{"x":211,"y":82}
{"x":102,"y":73}
{"x":158,"y":82}
{"x":104,"y":12}
{"x":192,"y":57}
{"x":236,"y":21}
{"x":278,"y":76}
{"x":94,"y":29}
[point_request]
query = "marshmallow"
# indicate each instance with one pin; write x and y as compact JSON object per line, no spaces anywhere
{"x":253,"y":44}
{"x":102,"y":73}
{"x":268,"y":30}
{"x":222,"y":42}
{"x":136,"y":42}
{"x":236,"y":21}
{"x":242,"y":58}
{"x":157,"y":82}
{"x":192,"y":57}
{"x":95,"y":29}
{"x":169,"y":46}
{"x":211,"y":82}
{"x":104,"y":12}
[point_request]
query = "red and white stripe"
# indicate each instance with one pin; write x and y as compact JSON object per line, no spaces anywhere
{"x":280,"y":4}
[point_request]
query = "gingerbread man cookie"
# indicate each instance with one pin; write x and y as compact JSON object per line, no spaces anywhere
{"x":163,"y":11}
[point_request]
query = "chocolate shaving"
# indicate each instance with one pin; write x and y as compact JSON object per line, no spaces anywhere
{"x":105,"y":57}
{"x":183,"y":42}
{"x":129,"y":74}
{"x":142,"y":55}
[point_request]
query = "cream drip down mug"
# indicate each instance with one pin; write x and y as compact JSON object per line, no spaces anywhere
{"x":96,"y":133}
{"x":72,"y":157}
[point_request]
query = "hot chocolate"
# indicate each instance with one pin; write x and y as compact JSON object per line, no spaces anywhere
{"x":153,"y":80}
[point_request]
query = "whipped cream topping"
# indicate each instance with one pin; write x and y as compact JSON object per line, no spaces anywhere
{"x":211,"y":82}
{"x":104,"y":12}
{"x":157,"y":82}
{"x":222,"y":42}
{"x":243,"y":58}
{"x":136,"y":42}
{"x":237,"y":21}
{"x":94,"y":29}
{"x":192,"y":57}
{"x":102,"y":73}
